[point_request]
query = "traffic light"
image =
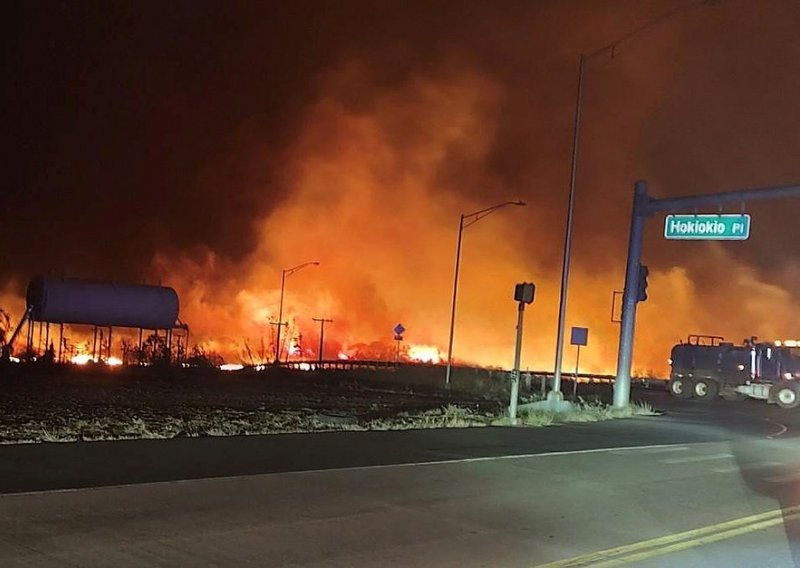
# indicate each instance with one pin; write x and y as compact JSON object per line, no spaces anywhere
{"x":643,"y":272}
{"x":524,"y":292}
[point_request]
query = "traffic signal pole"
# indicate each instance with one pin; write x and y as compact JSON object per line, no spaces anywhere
{"x":512,"y":405}
{"x":622,"y":384}
{"x":645,"y":206}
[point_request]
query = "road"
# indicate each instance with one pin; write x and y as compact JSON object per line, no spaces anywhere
{"x":701,"y":485}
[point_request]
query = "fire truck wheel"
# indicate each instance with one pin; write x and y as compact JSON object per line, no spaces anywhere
{"x":787,"y":395}
{"x":680,"y":387}
{"x":705,"y":389}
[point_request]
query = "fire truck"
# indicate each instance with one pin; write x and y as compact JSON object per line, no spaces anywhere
{"x":706,"y":367}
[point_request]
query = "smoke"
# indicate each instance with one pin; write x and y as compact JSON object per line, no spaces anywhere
{"x":365,"y":159}
{"x":365,"y":201}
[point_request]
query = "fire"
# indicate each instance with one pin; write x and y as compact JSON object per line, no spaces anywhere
{"x":85,"y":359}
{"x":81,"y":359}
{"x":424,"y":354}
{"x":372,"y":184}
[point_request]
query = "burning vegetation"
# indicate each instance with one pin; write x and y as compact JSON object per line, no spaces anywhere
{"x":364,"y":156}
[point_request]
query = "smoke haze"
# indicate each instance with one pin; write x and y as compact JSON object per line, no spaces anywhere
{"x":209,"y":146}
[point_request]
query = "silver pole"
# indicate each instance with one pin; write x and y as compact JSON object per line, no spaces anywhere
{"x":280,"y":320}
{"x":453,"y":308}
{"x":562,"y":306}
{"x":284,"y":273}
{"x":575,"y":383}
{"x":470,"y":219}
{"x":512,"y":406}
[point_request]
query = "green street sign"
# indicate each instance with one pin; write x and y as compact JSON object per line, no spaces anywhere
{"x":707,"y":227}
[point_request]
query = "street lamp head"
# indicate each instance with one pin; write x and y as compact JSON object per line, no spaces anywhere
{"x":519,"y":202}
{"x":289,"y":271}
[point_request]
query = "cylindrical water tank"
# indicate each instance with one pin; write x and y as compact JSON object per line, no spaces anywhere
{"x":73,"y":301}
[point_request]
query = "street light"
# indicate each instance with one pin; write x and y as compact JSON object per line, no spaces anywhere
{"x":284,"y":273}
{"x":466,"y":221}
{"x":555,"y":395}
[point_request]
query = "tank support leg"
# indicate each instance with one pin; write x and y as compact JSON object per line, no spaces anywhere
{"x":29,"y":337}
{"x":169,"y":345}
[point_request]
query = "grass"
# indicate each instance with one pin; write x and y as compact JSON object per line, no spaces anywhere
{"x":245,"y":423}
{"x":596,"y":412}
{"x":581,"y":412}
{"x":450,"y":416}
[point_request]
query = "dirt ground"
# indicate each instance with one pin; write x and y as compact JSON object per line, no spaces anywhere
{"x":60,"y":404}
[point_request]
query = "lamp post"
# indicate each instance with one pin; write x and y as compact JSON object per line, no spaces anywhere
{"x":555,"y":394}
{"x":284,"y":273}
{"x":466,"y":221}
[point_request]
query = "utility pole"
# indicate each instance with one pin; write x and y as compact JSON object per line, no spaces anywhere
{"x":322,"y":322}
{"x":278,"y":347}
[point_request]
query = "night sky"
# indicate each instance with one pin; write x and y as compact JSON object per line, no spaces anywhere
{"x":135,"y":127}
{"x":176,"y":141}
{"x":132,"y":126}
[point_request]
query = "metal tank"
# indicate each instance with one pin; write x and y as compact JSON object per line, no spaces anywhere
{"x":73,"y":301}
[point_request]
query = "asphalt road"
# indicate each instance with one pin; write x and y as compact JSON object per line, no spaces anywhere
{"x":701,"y":485}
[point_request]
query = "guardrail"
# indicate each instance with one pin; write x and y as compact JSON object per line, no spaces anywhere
{"x":375,"y":365}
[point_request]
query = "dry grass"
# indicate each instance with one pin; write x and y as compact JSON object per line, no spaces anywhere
{"x":581,"y":412}
{"x":243,"y":423}
{"x":451,"y":416}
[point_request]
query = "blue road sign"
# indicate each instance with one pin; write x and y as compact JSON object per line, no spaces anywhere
{"x":579,"y":336}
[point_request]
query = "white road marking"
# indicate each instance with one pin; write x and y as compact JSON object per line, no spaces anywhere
{"x":691,"y":459}
{"x":344,"y":469}
{"x":734,"y":468}
{"x":655,"y":450}
{"x":780,"y":431}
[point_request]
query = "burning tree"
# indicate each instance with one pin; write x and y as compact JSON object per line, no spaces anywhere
{"x":204,"y":359}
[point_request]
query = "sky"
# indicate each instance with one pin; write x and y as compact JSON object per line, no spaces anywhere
{"x":209,"y":145}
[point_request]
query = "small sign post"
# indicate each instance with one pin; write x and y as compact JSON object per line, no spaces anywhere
{"x":578,"y":337}
{"x":398,"y":337}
